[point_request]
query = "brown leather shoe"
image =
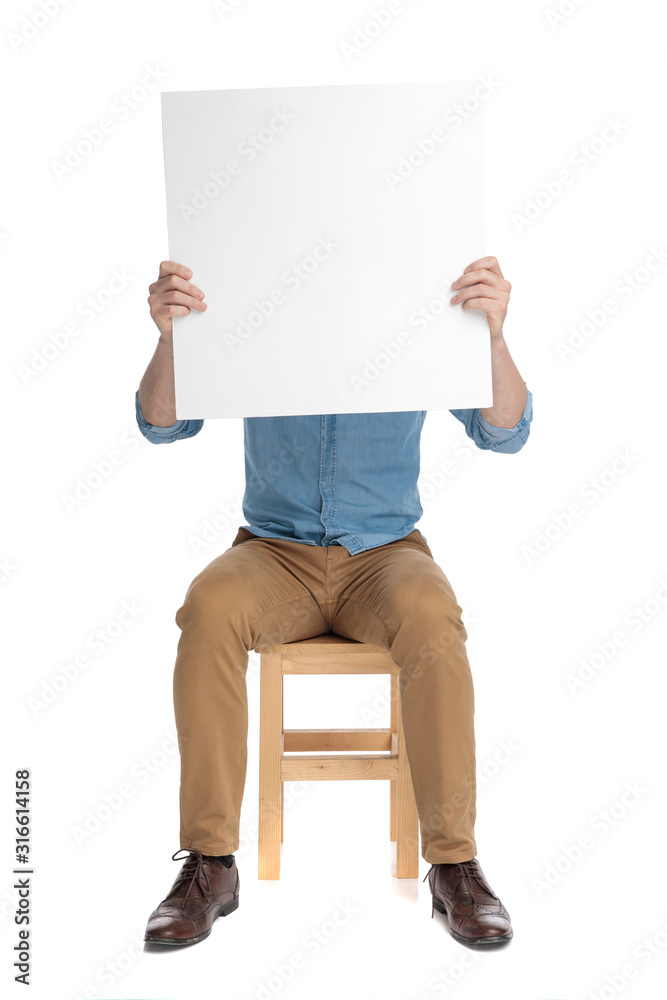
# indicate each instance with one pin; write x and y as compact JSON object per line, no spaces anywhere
{"x":204,"y":889}
{"x":474,"y":912}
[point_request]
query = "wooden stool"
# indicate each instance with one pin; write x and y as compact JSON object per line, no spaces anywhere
{"x":330,"y":654}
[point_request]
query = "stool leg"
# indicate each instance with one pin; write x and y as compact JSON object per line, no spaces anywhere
{"x":393,"y":723}
{"x":407,"y":819}
{"x":270,"y":732}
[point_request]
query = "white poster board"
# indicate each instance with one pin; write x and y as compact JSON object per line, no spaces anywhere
{"x":325,"y":225}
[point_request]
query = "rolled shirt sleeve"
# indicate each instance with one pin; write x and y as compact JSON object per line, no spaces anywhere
{"x":503,"y":439}
{"x":165,"y":435}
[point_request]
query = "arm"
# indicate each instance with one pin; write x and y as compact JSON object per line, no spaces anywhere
{"x":505,"y":426}
{"x":159,"y":434}
{"x":509,"y":389}
{"x":156,"y":389}
{"x":492,"y":438}
{"x":155,"y":402}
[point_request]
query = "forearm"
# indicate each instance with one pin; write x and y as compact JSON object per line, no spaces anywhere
{"x":157,"y":396}
{"x":509,"y":389}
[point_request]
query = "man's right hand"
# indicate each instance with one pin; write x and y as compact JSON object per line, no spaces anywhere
{"x":173,"y":295}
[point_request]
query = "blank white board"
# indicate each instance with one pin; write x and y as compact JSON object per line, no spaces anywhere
{"x":325,"y":225}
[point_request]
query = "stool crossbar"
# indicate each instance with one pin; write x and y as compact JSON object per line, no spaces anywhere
{"x":377,"y":753}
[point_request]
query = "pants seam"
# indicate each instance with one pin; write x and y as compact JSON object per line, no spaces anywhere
{"x":274,"y":607}
{"x":392,"y":634}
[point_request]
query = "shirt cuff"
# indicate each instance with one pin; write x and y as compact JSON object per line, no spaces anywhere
{"x":164,"y":435}
{"x":505,"y":433}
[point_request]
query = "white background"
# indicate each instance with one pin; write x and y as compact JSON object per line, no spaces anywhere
{"x":530,"y":621}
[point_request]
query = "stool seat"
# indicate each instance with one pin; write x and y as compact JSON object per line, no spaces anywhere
{"x":376,"y":753}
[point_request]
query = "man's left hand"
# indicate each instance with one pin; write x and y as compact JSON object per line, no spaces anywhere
{"x":482,"y":286}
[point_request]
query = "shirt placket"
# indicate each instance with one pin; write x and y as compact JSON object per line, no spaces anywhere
{"x":328,"y":443}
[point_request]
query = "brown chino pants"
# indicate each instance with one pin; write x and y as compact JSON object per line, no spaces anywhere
{"x":269,"y":590}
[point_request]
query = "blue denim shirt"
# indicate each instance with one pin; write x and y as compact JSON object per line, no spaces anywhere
{"x":339,"y":478}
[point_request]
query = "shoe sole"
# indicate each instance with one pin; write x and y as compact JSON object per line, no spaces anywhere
{"x":471,"y":940}
{"x":225,"y":910}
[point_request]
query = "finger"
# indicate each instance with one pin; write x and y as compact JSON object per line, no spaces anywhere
{"x":174,"y":297}
{"x":175,"y":281}
{"x":166,"y":312}
{"x":489,"y":278}
{"x":491,"y":292}
{"x":480,"y":302}
{"x":491,"y":263}
{"x":171,"y":267}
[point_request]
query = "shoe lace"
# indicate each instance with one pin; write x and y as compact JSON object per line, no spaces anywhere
{"x":194,"y":870}
{"x":466,"y":869}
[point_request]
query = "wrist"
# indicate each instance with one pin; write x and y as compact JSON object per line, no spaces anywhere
{"x":165,"y":343}
{"x":498,"y":342}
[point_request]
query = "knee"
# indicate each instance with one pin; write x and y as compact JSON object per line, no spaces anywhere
{"x":212,"y":599}
{"x":431,"y":636}
{"x":431,"y":609}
